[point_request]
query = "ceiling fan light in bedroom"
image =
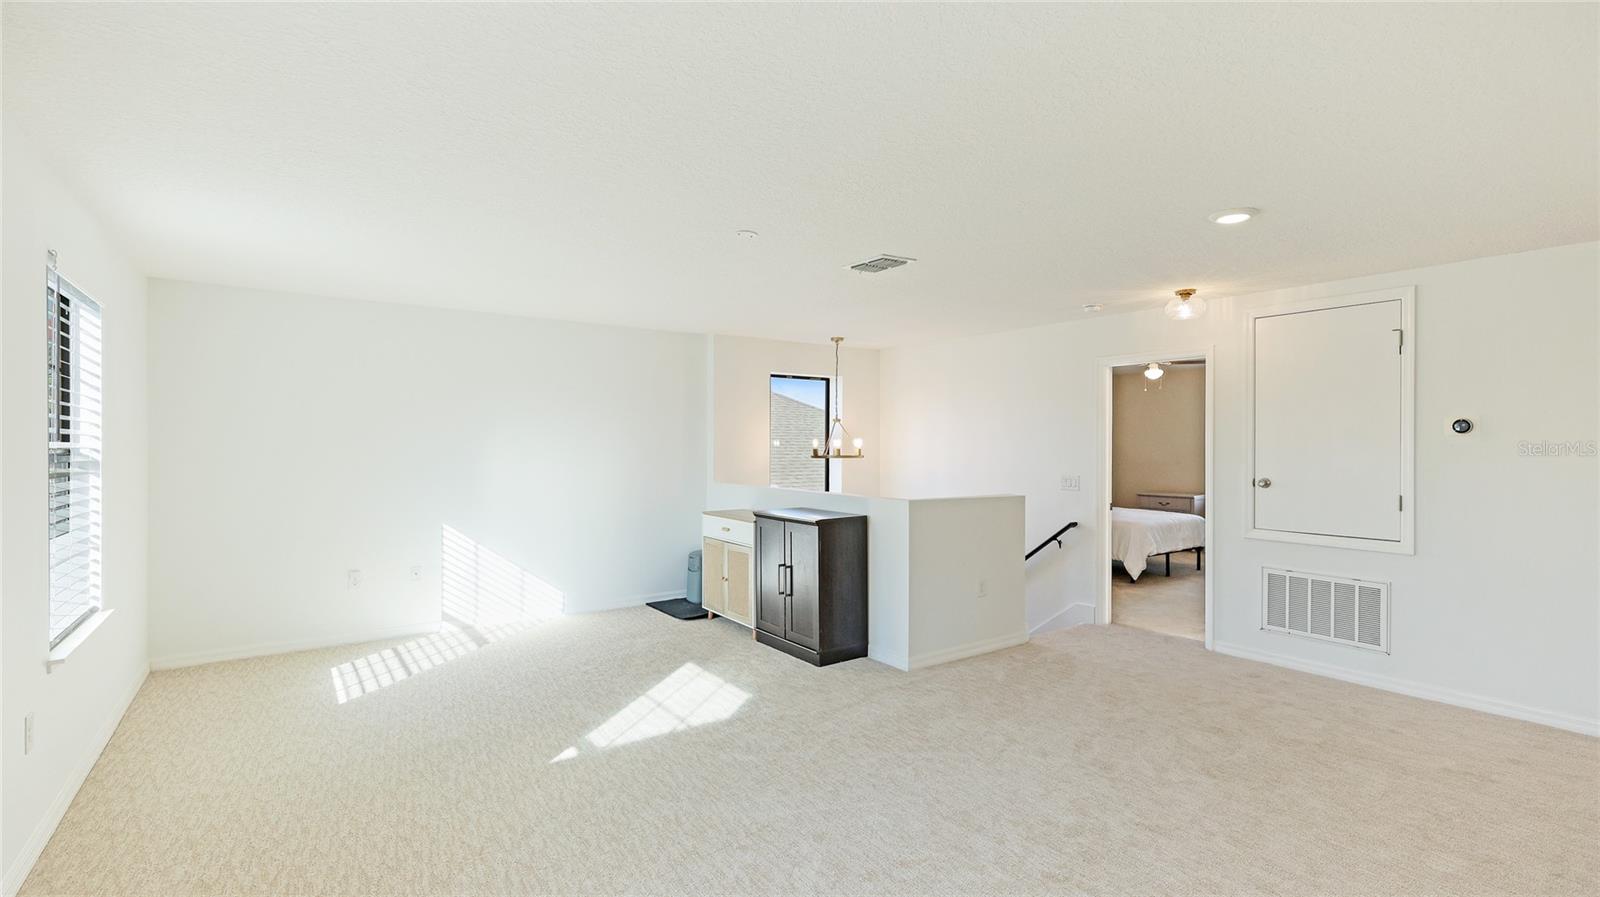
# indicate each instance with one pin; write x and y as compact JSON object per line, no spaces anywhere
{"x":1154,"y":371}
{"x":1186,"y":306}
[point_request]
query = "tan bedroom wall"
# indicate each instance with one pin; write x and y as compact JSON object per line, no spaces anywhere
{"x":1158,"y":435}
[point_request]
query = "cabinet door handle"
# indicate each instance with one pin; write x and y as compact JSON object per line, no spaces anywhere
{"x":783,"y":584}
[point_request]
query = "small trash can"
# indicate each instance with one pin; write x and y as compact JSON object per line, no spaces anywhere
{"x":693,"y":592}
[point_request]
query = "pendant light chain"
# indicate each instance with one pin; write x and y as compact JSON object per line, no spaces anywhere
{"x":838,"y":436}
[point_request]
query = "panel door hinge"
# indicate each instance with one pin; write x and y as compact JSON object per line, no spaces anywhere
{"x":1400,"y":347}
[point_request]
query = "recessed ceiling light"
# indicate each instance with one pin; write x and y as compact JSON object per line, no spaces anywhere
{"x":1094,"y":307}
{"x":746,"y":234}
{"x":1234,"y":216}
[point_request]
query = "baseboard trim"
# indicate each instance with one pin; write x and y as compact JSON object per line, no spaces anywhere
{"x":263,"y":649}
{"x":634,"y":601}
{"x":896,"y":661}
{"x":1075,"y":614}
{"x":33,"y":848}
{"x":971,"y":649}
{"x":1419,"y":690}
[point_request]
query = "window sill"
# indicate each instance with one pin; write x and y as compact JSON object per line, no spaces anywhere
{"x":60,"y":653}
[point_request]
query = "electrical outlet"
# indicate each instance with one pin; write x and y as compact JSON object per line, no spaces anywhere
{"x":352,"y":579}
{"x":416,"y":573}
{"x":27,"y":734}
{"x":1071,"y":482}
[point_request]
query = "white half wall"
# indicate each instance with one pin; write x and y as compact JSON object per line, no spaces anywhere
{"x":75,"y":708}
{"x":888,"y":555}
{"x":944,"y":576}
{"x":1497,"y":609}
{"x":295,"y":438}
{"x":966,"y":577}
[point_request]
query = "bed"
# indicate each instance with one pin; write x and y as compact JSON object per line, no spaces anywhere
{"x":1138,"y":535}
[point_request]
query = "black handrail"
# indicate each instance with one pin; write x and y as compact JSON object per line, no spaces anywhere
{"x":1055,"y":537}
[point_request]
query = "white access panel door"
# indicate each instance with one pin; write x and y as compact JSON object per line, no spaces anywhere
{"x":1328,"y":421}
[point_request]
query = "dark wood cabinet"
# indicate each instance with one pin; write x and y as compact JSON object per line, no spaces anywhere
{"x":772,"y":609}
{"x":811,"y":583}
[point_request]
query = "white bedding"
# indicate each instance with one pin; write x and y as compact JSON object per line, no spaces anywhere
{"x":1136,"y":534}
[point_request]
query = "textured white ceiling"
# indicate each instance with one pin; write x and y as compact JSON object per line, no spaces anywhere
{"x":593,"y":162}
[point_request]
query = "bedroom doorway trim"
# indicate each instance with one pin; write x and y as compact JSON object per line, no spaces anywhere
{"x":1103,"y":375}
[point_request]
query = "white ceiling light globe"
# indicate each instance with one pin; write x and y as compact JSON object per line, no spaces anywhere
{"x":1153,"y":371}
{"x":1186,"y":306}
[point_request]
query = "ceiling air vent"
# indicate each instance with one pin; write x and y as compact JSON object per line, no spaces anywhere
{"x":1330,"y":608}
{"x":881,"y":263}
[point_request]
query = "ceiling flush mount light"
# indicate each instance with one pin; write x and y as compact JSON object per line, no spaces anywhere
{"x":838,"y":436}
{"x":1093,"y":307}
{"x":1234,"y":216}
{"x":746,"y":234}
{"x":1186,"y":307}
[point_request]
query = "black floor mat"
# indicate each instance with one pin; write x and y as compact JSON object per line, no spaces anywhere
{"x":679,"y":608}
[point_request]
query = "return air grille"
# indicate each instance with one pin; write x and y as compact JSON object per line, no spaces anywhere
{"x":1348,"y":611}
{"x":881,"y":263}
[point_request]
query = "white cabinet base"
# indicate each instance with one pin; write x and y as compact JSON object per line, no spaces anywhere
{"x":728,"y":565}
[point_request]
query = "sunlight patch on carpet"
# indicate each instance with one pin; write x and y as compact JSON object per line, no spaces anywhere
{"x":689,"y":697}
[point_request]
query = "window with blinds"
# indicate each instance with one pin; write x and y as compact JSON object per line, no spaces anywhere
{"x":73,"y":377}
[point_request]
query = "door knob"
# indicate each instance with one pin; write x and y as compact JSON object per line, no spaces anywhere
{"x":1264,"y":483}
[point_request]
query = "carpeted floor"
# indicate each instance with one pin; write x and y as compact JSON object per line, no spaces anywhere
{"x":627,"y":752}
{"x":1171,"y":605}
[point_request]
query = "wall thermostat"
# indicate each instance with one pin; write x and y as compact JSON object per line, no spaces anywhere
{"x":1461,"y":425}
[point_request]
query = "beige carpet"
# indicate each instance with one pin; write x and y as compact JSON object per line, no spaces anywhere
{"x":689,"y":760}
{"x":1172,"y":605}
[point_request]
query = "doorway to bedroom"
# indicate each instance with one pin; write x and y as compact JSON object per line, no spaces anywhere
{"x":1157,"y":428}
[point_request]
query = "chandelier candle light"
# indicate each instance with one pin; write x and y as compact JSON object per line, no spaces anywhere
{"x":838,"y":436}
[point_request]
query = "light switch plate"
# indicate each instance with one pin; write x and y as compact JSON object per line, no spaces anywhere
{"x":1071,"y":482}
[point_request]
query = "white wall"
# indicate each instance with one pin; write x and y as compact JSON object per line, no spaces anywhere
{"x":1497,"y":609}
{"x":741,"y":367}
{"x":967,"y":583}
{"x":295,"y":438}
{"x":76,"y":707}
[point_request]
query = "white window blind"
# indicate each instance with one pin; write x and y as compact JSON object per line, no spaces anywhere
{"x":74,"y":382}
